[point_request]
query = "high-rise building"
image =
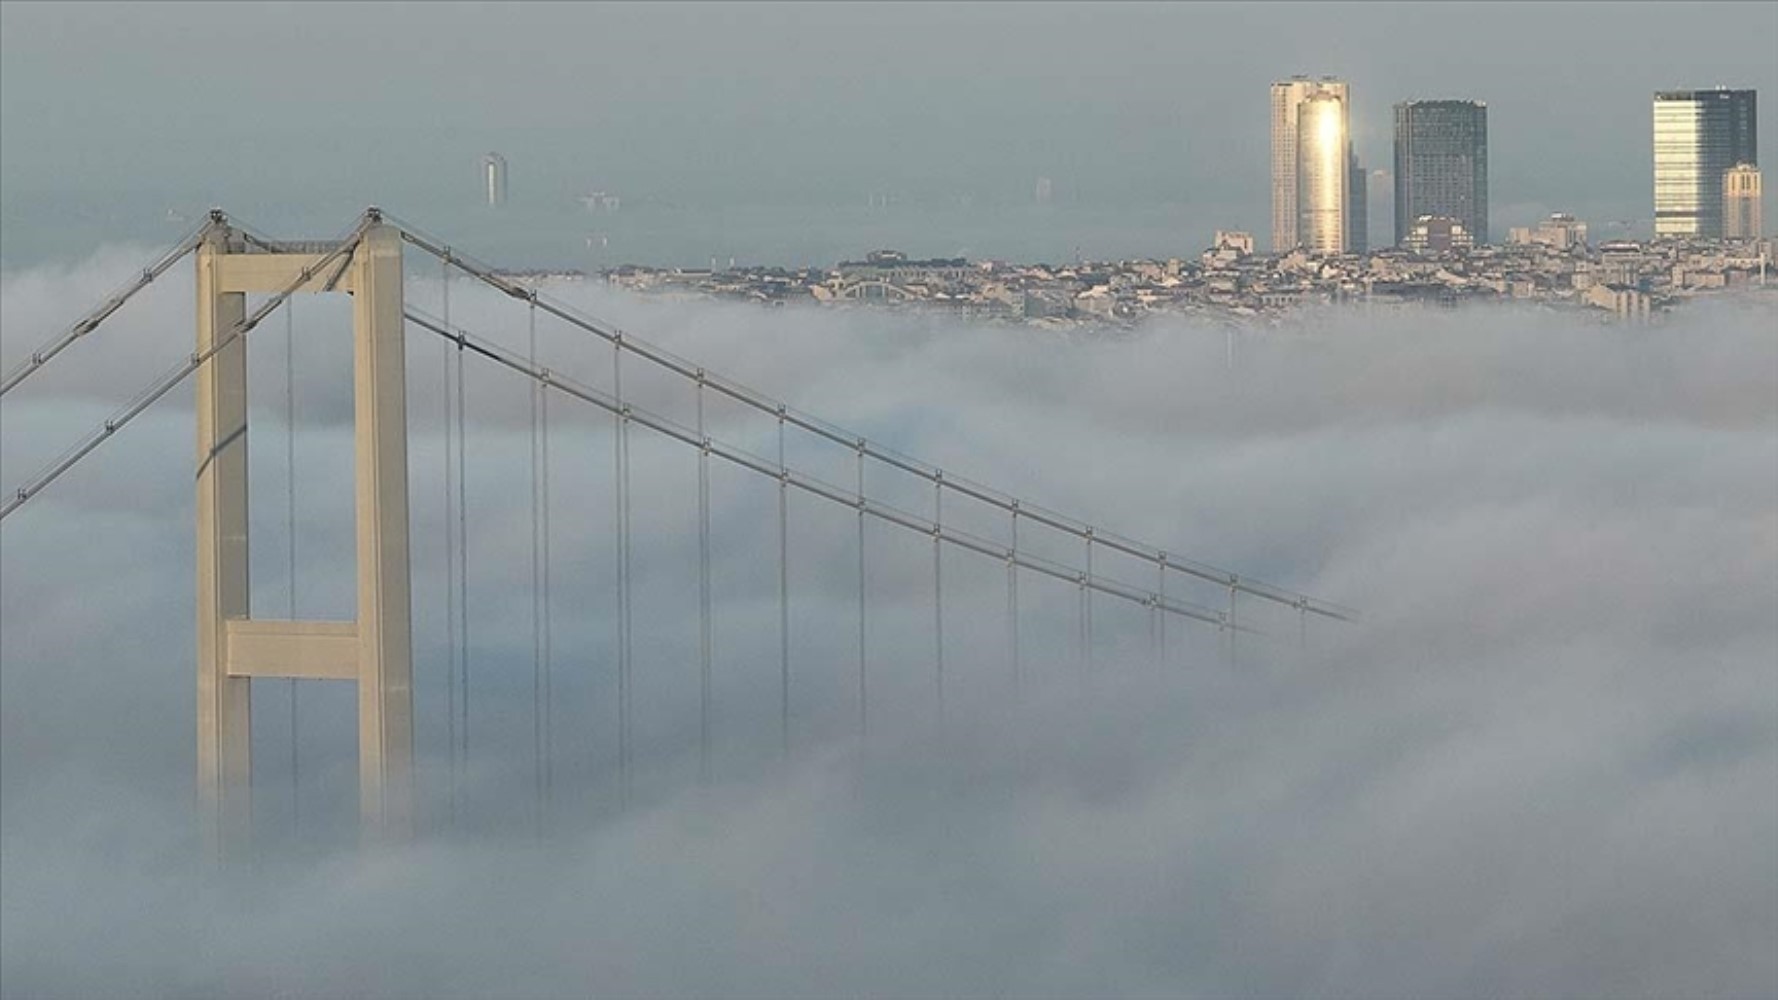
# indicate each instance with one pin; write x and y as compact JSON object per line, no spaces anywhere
{"x":1740,"y":203}
{"x":1358,"y":205}
{"x":1441,"y":165}
{"x":1287,"y":96}
{"x":494,"y":178}
{"x":1323,"y":174}
{"x":1698,"y":136}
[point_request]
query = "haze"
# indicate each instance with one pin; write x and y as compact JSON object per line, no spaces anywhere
{"x":1542,"y":765}
{"x":761,"y":131}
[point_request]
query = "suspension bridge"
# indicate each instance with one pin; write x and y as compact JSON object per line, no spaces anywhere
{"x":376,"y":648}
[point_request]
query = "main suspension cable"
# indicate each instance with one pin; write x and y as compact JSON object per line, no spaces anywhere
{"x":838,"y":495}
{"x":164,"y":384}
{"x":765,"y":404}
{"x":90,"y":322}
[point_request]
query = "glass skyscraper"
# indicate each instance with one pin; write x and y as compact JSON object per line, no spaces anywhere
{"x":1441,"y":164}
{"x":1698,"y":136}
{"x":1323,"y":174}
{"x":1287,"y":97}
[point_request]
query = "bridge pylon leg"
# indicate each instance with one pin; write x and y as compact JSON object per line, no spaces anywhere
{"x":225,"y":748}
{"x":376,"y":649}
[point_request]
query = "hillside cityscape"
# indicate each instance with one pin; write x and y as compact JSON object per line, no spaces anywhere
{"x":1707,"y":226}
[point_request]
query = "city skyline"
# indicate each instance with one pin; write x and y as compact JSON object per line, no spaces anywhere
{"x":756,"y":132}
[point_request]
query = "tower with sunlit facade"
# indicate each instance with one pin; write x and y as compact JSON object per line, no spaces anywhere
{"x":1323,"y":174}
{"x":1699,"y":135}
{"x":1287,"y":97}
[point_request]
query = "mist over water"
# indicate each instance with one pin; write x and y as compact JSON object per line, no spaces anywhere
{"x":1543,"y":763}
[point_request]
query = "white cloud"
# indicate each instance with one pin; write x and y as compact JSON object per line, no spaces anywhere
{"x":1543,"y":765}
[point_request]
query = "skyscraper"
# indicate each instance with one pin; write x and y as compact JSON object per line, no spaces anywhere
{"x":1740,"y":202}
{"x":494,"y":179}
{"x":1698,"y":136}
{"x":1441,"y":165}
{"x":1287,"y":96}
{"x":1358,"y":205}
{"x":1323,"y":174}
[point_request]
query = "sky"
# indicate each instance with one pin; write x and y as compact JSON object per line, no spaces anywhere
{"x":763,"y":131}
{"x":1542,"y":763}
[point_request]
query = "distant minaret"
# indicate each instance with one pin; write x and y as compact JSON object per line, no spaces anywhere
{"x":494,"y":179}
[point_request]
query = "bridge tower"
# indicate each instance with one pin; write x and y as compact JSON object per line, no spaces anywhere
{"x":375,"y":649}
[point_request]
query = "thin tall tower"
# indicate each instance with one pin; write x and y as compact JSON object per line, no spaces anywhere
{"x":494,"y":179}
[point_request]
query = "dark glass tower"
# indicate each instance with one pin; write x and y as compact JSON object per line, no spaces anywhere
{"x":1441,"y":164}
{"x":1698,"y":136}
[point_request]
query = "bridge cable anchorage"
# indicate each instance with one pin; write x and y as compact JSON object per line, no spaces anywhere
{"x":767,"y":405}
{"x":152,"y":393}
{"x":840,"y":496}
{"x":704,"y":601}
{"x":783,"y":590}
{"x":46,"y":353}
{"x":450,"y":548}
{"x":290,"y":526}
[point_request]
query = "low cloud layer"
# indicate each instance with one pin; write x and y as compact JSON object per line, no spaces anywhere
{"x":1543,"y":764}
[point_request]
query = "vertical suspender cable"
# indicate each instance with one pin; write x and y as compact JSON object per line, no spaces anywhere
{"x":450,"y":547}
{"x":1087,"y":607}
{"x":1160,"y":573}
{"x":863,"y":689}
{"x":462,"y":546}
{"x":938,"y":594}
{"x":536,"y":390}
{"x":549,"y":734}
{"x":1233,"y":585}
{"x":783,"y":591}
{"x":620,"y":456}
{"x":290,"y":521}
{"x":704,"y":604}
{"x":1012,"y":601}
{"x":1080,"y":613}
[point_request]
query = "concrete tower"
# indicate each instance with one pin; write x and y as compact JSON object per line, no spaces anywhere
{"x":374,"y":649}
